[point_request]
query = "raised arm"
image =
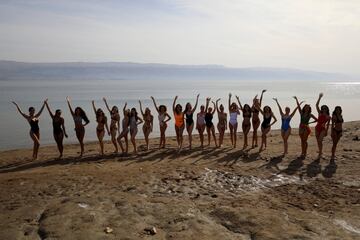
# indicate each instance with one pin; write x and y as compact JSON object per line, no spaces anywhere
{"x":238,"y":100}
{"x":196,"y":104}
{"x":217,"y":105}
{"x":298,"y":104}
{"x":106,"y":104}
{"x":280,"y":110}
{"x":214,"y":107}
{"x":41,"y":109}
{"x":318,"y":102}
{"x":174,"y":103}
{"x":93,"y":105}
{"x":48,"y":108}
{"x":19,"y":110}
{"x":259,"y":108}
{"x":229,"y":103}
{"x":156,"y":107}
{"x":297,"y":107}
{"x":124,"y":108}
{"x":141,"y":110}
{"x":207,"y":103}
{"x":69,"y":104}
{"x":261,"y":96}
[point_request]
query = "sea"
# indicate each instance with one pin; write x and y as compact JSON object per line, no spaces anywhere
{"x":14,"y":128}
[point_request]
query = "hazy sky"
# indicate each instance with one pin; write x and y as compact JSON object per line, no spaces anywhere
{"x":308,"y":34}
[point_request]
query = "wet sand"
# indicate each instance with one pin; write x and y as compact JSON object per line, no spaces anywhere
{"x":210,"y":193}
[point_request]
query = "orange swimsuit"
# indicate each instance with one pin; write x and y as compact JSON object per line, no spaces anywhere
{"x":179,"y":120}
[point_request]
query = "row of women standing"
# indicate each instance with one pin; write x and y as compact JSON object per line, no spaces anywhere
{"x":184,"y":119}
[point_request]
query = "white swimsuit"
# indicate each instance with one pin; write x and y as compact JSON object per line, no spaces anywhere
{"x":233,"y":118}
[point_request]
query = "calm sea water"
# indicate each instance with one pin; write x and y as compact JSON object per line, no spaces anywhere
{"x":15,"y":129}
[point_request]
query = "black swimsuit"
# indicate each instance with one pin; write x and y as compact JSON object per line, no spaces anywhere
{"x":208,"y":120}
{"x":57,"y":127}
{"x":34,"y":126}
{"x":266,"y":122}
{"x":189,"y":119}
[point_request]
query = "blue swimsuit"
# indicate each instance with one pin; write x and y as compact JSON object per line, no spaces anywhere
{"x":285,"y":123}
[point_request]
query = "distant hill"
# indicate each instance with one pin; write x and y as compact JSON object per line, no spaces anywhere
{"x":10,"y":70}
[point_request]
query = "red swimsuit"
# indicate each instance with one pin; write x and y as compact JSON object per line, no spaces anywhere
{"x":320,"y":126}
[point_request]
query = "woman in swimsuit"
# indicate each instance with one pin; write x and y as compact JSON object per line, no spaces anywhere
{"x":58,"y":128}
{"x":33,"y":120}
{"x":79,"y":116}
{"x":163,"y":117}
{"x":255,"y":118}
{"x":246,"y":124}
{"x":266,"y":124}
{"x":336,"y":129}
{"x":200,"y":124}
{"x":304,"y":129}
{"x":285,"y":123}
{"x":222,"y":124}
{"x":114,"y":125}
{"x":233,"y":124}
{"x":189,"y":113}
{"x":135,"y":120}
{"x":323,"y":123}
{"x":179,"y":122}
{"x":125,"y":130}
{"x":210,"y":129}
{"x":101,"y":120}
{"x":148,"y":124}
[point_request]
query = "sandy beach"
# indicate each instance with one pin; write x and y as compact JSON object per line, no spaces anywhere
{"x":210,"y":193}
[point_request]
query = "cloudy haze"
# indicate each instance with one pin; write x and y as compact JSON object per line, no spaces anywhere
{"x":321,"y":35}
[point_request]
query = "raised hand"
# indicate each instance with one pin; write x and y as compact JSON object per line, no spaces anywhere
{"x":264,"y":90}
{"x":275,"y":99}
{"x":198,"y":95}
{"x":68,"y":98}
{"x":321,"y":95}
{"x":237,"y":97}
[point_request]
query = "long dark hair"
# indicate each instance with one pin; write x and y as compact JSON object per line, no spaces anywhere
{"x":188,"y":105}
{"x":325,"y":108}
{"x":176,"y":108}
{"x":247,"y":109}
{"x":135,"y":114}
{"x":303,"y":109}
{"x":338,"y":116}
{"x":82,"y":114}
{"x":100,"y":113}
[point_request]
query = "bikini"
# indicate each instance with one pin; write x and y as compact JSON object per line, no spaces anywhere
{"x":133,"y":124}
{"x":285,"y":123}
{"x":233,"y":118}
{"x":34,"y":126}
{"x":222,"y":121}
{"x":208,"y":120}
{"x":246,"y":115}
{"x":100,"y":130}
{"x":189,"y":119}
{"x":114,"y":119}
{"x":336,"y":122}
{"x":266,"y":122}
{"x":255,"y":118}
{"x":179,"y":120}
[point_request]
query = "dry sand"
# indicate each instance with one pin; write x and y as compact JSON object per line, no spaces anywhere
{"x":210,"y":193}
